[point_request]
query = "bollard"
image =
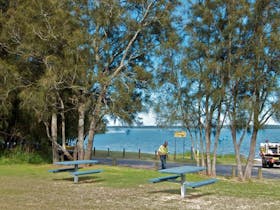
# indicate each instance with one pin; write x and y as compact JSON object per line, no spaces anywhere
{"x":156,"y":156}
{"x":123,"y":152}
{"x":114,"y":161}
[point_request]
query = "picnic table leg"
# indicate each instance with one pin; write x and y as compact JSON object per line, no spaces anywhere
{"x":76,"y":179}
{"x":76,"y":167}
{"x":183,"y":188}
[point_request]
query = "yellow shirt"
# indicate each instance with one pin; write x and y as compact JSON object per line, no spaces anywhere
{"x":162,"y":150}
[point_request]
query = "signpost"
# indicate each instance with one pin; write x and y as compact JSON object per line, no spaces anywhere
{"x":180,"y":134}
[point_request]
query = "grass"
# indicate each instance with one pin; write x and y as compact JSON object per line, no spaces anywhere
{"x":26,"y":186}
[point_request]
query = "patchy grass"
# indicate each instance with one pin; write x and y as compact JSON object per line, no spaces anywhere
{"x":32,"y":187}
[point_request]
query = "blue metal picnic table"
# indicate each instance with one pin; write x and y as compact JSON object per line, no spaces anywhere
{"x":76,"y":163}
{"x":74,"y":171}
{"x":181,"y":172}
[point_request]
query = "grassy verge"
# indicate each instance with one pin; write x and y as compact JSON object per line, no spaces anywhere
{"x":28,"y":186}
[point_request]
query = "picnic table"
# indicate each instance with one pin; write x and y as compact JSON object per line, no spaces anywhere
{"x":75,"y":170}
{"x":180,"y":172}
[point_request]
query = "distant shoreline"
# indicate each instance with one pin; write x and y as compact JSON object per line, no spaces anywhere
{"x":180,"y":127}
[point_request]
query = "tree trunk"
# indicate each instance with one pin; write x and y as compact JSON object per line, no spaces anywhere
{"x":54,"y":137}
{"x":214,"y":161}
{"x":93,"y":124}
{"x":55,"y":144}
{"x":219,"y":126}
{"x":81,"y":123}
{"x":208,"y":147}
{"x":237,"y":154}
{"x":251,"y":157}
{"x":193,"y":147}
{"x":91,"y":134}
{"x":202,"y":152}
{"x":63,"y":135}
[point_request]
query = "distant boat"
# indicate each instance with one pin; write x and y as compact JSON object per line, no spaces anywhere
{"x":116,"y":131}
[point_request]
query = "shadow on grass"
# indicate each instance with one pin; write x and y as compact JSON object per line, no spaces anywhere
{"x":83,"y":179}
{"x":190,"y":193}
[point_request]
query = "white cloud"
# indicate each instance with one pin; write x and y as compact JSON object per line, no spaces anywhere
{"x":148,"y":118}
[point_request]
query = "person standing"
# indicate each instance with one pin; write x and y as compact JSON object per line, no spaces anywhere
{"x":163,"y":152}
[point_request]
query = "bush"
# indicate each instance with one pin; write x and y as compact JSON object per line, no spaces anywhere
{"x":18,"y":156}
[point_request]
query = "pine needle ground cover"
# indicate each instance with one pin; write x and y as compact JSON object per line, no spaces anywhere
{"x":27,"y":186}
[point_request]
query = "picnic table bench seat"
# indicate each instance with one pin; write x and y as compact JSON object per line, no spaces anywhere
{"x":76,"y":174}
{"x":200,"y":183}
{"x":57,"y":170}
{"x":165,"y":178}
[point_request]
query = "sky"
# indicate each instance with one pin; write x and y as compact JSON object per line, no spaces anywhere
{"x":149,"y":119}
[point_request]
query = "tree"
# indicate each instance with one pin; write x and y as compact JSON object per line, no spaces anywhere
{"x":33,"y":32}
{"x":205,"y":73}
{"x":263,"y":57}
{"x":123,"y":38}
{"x":230,"y":69}
{"x":250,"y":59}
{"x":16,"y":74}
{"x":98,"y":63}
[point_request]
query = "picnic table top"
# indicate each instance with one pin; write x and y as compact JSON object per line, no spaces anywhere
{"x":76,"y":162}
{"x":182,"y":170}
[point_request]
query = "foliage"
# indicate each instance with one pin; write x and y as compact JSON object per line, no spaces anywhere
{"x":214,"y":59}
{"x":19,"y":156}
{"x":226,"y":69}
{"x":98,"y":64}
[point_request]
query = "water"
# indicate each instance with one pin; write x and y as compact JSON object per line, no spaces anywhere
{"x":149,"y":139}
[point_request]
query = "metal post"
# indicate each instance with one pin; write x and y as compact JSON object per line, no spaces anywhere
{"x":114,"y":161}
{"x":76,"y":179}
{"x":123,"y":154}
{"x":155,"y":155}
{"x":183,"y":187}
{"x":175,"y":150}
{"x":183,"y":147}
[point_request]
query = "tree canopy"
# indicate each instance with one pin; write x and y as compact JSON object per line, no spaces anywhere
{"x":69,"y":66}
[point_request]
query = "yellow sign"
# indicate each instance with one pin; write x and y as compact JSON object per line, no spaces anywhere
{"x":180,"y":134}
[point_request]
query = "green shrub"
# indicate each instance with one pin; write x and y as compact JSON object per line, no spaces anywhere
{"x":19,"y":156}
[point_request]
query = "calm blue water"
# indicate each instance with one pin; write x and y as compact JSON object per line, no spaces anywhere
{"x":149,"y":139}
